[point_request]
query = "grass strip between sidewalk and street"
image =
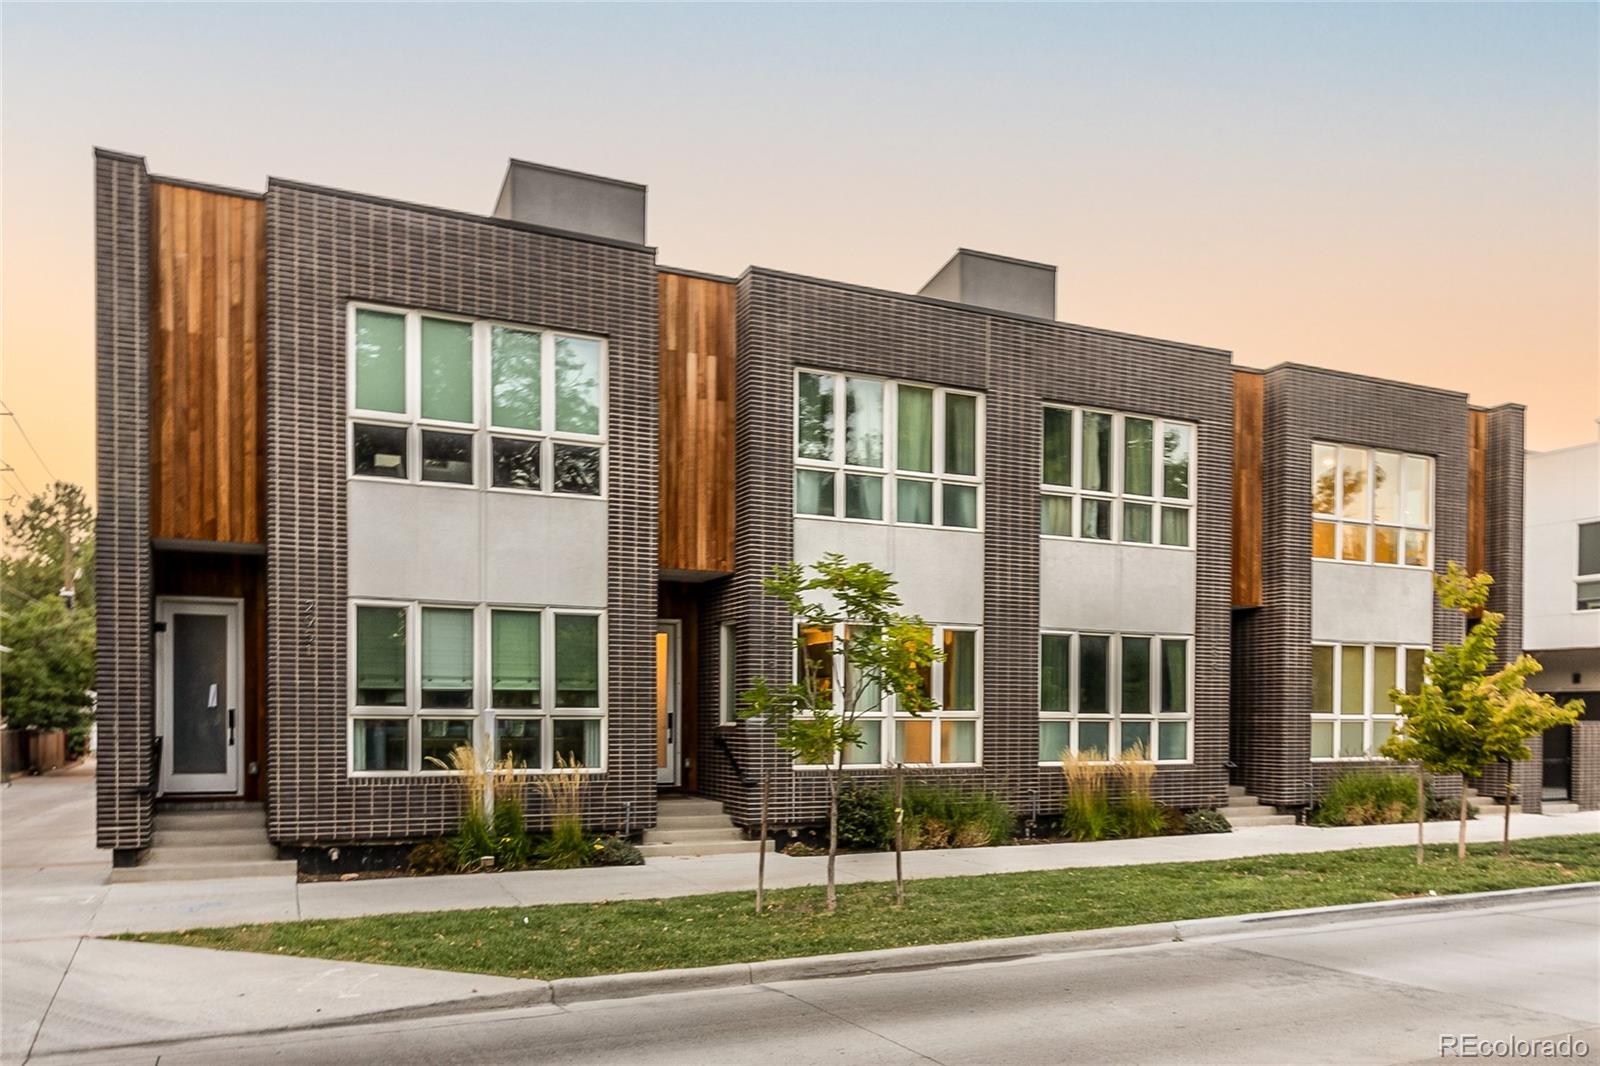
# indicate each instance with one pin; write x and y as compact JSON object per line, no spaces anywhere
{"x":581,"y":939}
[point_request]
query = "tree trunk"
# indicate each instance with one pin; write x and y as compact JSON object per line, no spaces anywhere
{"x":1505,"y":837}
{"x":1422,"y":810}
{"x":899,"y":833}
{"x":833,"y":828}
{"x":761,"y":856}
{"x":1461,"y":830}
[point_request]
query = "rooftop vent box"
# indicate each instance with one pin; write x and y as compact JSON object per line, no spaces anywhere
{"x":567,"y":200}
{"x":997,"y":282}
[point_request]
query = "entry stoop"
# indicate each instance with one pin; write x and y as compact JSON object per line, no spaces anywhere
{"x":1244,"y":810}
{"x":225,"y":839}
{"x":691,"y":825}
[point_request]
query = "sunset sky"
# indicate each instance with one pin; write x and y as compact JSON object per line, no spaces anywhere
{"x":1408,"y":191}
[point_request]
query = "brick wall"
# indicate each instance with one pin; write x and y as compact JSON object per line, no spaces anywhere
{"x":123,"y":670}
{"x":325,"y":249}
{"x":1586,"y":765}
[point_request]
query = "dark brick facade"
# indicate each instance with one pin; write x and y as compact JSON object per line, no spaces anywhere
{"x":325,"y":249}
{"x":1586,"y":765}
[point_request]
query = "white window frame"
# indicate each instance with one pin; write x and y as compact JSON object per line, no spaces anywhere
{"x":1114,"y":694}
{"x":481,"y":428}
{"x":727,"y":698}
{"x":1118,"y":497}
{"x":1368,"y":715}
{"x":1577,"y":561}
{"x":481,"y":713}
{"x":1370,"y":522}
{"x":839,"y":468}
{"x":889,"y":713}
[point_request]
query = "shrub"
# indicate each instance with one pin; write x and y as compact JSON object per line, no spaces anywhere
{"x":866,"y":818}
{"x":436,"y":856}
{"x":1366,"y":799}
{"x":1086,"y":813}
{"x":616,"y":851}
{"x":1444,"y":808}
{"x":567,"y":846}
{"x":474,"y":841}
{"x":1137,"y":813}
{"x":1206,"y":822}
{"x":940,"y":817}
{"x":509,"y":827}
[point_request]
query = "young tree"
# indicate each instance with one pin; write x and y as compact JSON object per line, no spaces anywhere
{"x":1464,"y":718}
{"x":50,"y":548}
{"x":46,"y":676}
{"x":854,"y":647}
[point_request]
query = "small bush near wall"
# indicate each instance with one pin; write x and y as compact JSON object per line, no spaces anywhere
{"x":1366,"y":799}
{"x":935,"y":817}
{"x":1206,"y":822}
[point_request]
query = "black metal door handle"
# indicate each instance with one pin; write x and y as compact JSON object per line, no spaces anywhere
{"x":230,"y":727}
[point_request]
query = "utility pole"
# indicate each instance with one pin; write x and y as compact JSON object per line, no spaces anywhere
{"x":68,"y":568}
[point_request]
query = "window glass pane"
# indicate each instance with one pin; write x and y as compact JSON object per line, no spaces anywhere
{"x":1094,"y":674}
{"x":1057,"y":446}
{"x":865,"y":691}
{"x":1135,"y":735}
{"x":518,"y":738}
{"x":1054,"y":739}
{"x":1055,"y":516}
{"x":446,"y":370}
{"x":1135,"y":675}
{"x":961,"y":506}
{"x":1173,"y":741}
{"x":1418,"y":489}
{"x":446,"y":658}
{"x":380,"y":743}
{"x":1385,"y":544}
{"x":814,"y":413}
{"x":1322,"y":537}
{"x":960,"y":434}
{"x":1589,"y":595}
{"x":1416,"y":660}
{"x":1322,"y":678}
{"x":1176,"y":448}
{"x":1324,"y":460}
{"x":440,"y":738}
{"x":1416,"y":547}
{"x":1175,"y":527}
{"x":1381,"y":728}
{"x":913,"y":501}
{"x":577,"y":385}
{"x":960,"y":670}
{"x":1385,"y":663}
{"x":576,"y":468}
{"x":1136,"y":523}
{"x":870,"y":751}
{"x":577,"y":661}
{"x":727,"y":695}
{"x":1175,"y":677}
{"x":1097,"y":452}
{"x":863,"y":496}
{"x":378,"y":451}
{"x":516,"y":463}
{"x":1352,"y":678}
{"x":958,"y":741}
{"x":1055,"y":672}
{"x":1351,"y":744}
{"x":1385,"y":487}
{"x":380,"y":656}
{"x":863,"y":422}
{"x":380,"y":361}
{"x":1094,"y":738}
{"x":813,"y":492}
{"x":1589,"y":548}
{"x":514,"y":371}
{"x":1096,"y":519}
{"x":577,"y":740}
{"x":1353,"y":542}
{"x":914,"y":438}
{"x":814,"y":660}
{"x":447,"y":457}
{"x":514,"y":659}
{"x":1353,"y":482}
{"x":913,"y":740}
{"x":1322,"y":740}
{"x":1138,"y":456}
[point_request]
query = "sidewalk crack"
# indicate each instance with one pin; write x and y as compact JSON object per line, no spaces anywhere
{"x":854,"y":1024}
{"x":53,"y":994}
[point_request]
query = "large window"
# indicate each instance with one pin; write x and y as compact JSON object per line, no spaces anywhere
{"x":1589,"y":566}
{"x":950,"y":734}
{"x":1111,"y":692}
{"x":1116,"y":477}
{"x":455,"y":402}
{"x":428,"y":678}
{"x":1369,"y":505}
{"x":874,"y":451}
{"x":1351,"y":713}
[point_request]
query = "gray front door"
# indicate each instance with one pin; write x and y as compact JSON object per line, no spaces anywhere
{"x":199,"y":686}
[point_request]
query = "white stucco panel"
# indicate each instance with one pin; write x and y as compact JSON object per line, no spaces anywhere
{"x":1125,"y":588}
{"x":545,"y":550}
{"x":1357,"y":604}
{"x":940,"y":571}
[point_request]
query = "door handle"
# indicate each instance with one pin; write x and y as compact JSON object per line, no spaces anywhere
{"x":230,"y":727}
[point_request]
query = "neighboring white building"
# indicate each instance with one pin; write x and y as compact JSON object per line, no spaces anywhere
{"x":1561,"y":575}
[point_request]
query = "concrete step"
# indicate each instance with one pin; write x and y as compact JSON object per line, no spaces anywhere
{"x":691,"y":836}
{"x":1252,"y":809}
{"x":1237,"y":790}
{"x":1558,"y":807}
{"x":1261,"y":819}
{"x":726,"y":847}
{"x":693,"y":821}
{"x":204,"y":871}
{"x":689,"y":805}
{"x":188,"y":838}
{"x":205,"y":853}
{"x":223,"y":819}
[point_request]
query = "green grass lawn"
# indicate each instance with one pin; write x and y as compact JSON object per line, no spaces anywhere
{"x":572,"y":940}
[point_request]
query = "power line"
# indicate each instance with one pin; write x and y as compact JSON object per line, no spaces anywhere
{"x":7,"y":468}
{"x":5,"y":409}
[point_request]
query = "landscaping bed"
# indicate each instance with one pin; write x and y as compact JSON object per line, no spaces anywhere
{"x":573,"y":940}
